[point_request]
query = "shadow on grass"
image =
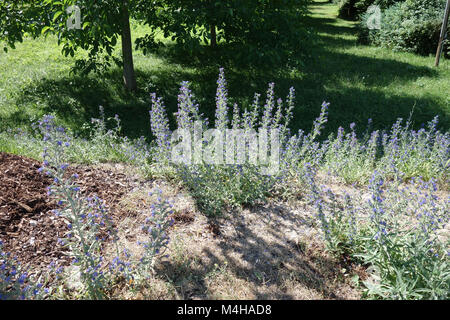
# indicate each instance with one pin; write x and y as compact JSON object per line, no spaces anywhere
{"x":327,"y":25}
{"x":357,"y":87}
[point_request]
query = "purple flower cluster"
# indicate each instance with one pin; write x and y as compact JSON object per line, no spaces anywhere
{"x":221,"y":102}
{"x":236,"y":121}
{"x":156,"y":226}
{"x":188,"y":111}
{"x":16,"y":284}
{"x":268,"y":107}
{"x":378,"y":216}
{"x":160,"y":127}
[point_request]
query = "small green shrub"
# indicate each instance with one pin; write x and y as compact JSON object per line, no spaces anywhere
{"x":412,"y":25}
{"x":354,"y":9}
{"x":347,"y":9}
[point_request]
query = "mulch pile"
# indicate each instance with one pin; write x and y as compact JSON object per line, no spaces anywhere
{"x":28,"y":228}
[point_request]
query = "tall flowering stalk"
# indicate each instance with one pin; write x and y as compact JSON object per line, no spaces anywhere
{"x":320,"y":121}
{"x":278,"y":114}
{"x":160,"y":127}
{"x":246,"y":120}
{"x":236,"y":121}
{"x":221,"y":102}
{"x":268,"y":107}
{"x":317,"y":201}
{"x":156,"y":227}
{"x":188,"y":111}
{"x":86,"y":218}
{"x":254,"y":114}
{"x":378,"y":215}
{"x":372,"y":148}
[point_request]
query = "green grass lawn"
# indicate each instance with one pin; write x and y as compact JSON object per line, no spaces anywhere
{"x":359,"y":81}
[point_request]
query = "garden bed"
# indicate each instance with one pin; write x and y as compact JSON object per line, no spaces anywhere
{"x":260,"y":252}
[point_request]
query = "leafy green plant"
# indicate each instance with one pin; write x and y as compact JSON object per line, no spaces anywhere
{"x":15,"y":282}
{"x":220,"y":187}
{"x":412,"y":25}
{"x":355,"y":9}
{"x":398,"y":242}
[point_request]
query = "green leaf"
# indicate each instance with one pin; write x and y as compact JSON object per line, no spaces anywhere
{"x":45,"y":29}
{"x":57,"y":14}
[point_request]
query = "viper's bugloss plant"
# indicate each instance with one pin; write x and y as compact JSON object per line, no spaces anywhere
{"x":109,"y":144}
{"x":188,"y":111}
{"x":409,"y":153}
{"x":97,"y":144}
{"x":156,"y":227}
{"x":15,"y":282}
{"x":395,"y":228}
{"x":86,"y":218}
{"x":400,"y":235}
{"x":220,"y":186}
{"x":160,"y":129}
{"x":89,"y":225}
{"x":408,"y":258}
{"x":221,"y":102}
{"x":337,"y":221}
{"x":399,"y":154}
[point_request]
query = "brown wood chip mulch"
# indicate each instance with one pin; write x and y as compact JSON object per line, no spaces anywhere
{"x":28,"y":228}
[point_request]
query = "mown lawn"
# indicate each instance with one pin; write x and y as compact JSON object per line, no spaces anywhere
{"x":359,"y":81}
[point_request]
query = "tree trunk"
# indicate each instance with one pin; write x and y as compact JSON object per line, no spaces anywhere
{"x":443,"y":33}
{"x":129,"y":77}
{"x":213,"y":36}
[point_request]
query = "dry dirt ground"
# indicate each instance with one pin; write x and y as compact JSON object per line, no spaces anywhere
{"x":268,"y":252}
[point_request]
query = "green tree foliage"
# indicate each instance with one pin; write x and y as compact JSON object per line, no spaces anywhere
{"x":19,"y":17}
{"x":411,"y":25}
{"x":256,"y":29}
{"x":354,"y":9}
{"x":102,"y":24}
{"x":260,"y":28}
